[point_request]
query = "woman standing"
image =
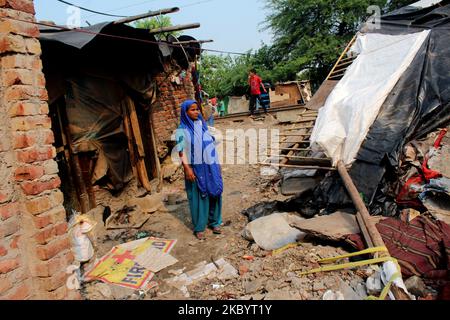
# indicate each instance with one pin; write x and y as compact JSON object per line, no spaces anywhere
{"x":204,"y":185}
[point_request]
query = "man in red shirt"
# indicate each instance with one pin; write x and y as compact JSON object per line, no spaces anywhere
{"x":255,"y":83}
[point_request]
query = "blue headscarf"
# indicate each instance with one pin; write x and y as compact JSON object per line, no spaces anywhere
{"x":205,"y":164}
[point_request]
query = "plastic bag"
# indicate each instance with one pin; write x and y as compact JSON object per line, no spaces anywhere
{"x":79,"y":228}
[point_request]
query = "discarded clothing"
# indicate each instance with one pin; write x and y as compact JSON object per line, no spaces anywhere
{"x":421,"y":247}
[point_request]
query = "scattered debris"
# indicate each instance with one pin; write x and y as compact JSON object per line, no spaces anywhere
{"x":120,"y":265}
{"x":273,"y":232}
{"x":80,"y":227}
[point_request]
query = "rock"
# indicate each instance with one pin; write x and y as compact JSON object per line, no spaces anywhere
{"x":273,"y":231}
{"x":299,"y":283}
{"x":243,"y":269}
{"x":333,"y":295}
{"x":416,"y":286}
{"x":284,"y":294}
{"x":318,"y":285}
{"x":252,"y":286}
{"x":258,"y":296}
{"x":271,"y":285}
{"x":348,"y":292}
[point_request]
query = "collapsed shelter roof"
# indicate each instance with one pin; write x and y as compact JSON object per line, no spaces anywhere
{"x":411,"y":48}
{"x":96,"y":70}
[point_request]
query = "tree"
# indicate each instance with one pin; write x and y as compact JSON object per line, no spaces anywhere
{"x":309,"y":35}
{"x":155,"y":23}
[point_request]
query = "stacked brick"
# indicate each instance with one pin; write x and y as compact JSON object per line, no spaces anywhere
{"x":166,"y":113}
{"x":34,"y":245}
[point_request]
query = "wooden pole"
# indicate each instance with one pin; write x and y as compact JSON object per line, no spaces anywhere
{"x":147,"y":15}
{"x":175,"y":28}
{"x":370,"y":229}
{"x":75,"y":163}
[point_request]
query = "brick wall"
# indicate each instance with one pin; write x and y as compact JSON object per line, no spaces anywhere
{"x":166,"y":112}
{"x":34,"y":245}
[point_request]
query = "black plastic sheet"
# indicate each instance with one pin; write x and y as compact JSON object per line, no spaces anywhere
{"x":418,"y":105}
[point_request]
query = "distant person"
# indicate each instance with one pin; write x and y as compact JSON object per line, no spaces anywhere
{"x":255,"y":83}
{"x":221,"y":108}
{"x":203,"y":176}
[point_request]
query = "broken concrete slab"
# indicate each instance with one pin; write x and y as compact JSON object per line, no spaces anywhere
{"x":273,"y":232}
{"x":149,"y":203}
{"x":252,"y":286}
{"x":330,"y":227}
{"x":283,"y":294}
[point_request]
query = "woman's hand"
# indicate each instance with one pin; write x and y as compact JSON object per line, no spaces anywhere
{"x":190,"y":176}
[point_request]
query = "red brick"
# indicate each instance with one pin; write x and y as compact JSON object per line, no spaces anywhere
{"x":17,"y":77}
{"x":20,"y":5}
{"x":36,"y":154}
{"x":8,"y":265}
{"x":3,"y":251}
{"x":48,"y":234}
{"x":22,"y":108}
{"x":12,"y":43}
{"x":15,"y":242}
{"x":19,"y":27}
{"x":49,"y":137}
{"x":5,"y":285}
{"x":8,"y":210}
{"x":61,"y":229}
{"x":54,"y":282}
{"x":58,"y":294}
{"x":23,"y":140}
{"x":29,"y":173}
{"x":9,"y":227}
{"x":52,"y":249}
{"x":47,"y":268}
{"x":21,"y":61}
{"x":37,"y":187}
{"x":52,"y":217}
{"x":31,"y":123}
{"x":33,"y":46}
{"x":20,"y":293}
{"x":38,"y":205}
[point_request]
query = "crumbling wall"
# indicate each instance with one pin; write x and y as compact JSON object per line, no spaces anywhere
{"x":34,"y":245}
{"x":173,"y":86}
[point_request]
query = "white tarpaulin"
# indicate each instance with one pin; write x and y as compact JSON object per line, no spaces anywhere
{"x":355,"y":102}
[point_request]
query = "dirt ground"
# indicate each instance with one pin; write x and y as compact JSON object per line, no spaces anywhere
{"x":262,"y":277}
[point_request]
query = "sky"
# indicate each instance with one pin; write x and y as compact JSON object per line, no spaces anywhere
{"x":234,"y":25}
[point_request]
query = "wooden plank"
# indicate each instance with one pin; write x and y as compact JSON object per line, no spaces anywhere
{"x":135,"y":127}
{"x":342,"y":56}
{"x":127,"y":129}
{"x":141,"y":168}
{"x":297,"y":166}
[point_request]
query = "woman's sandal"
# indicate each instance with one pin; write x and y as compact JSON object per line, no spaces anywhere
{"x":200,"y":235}
{"x":217,"y":230}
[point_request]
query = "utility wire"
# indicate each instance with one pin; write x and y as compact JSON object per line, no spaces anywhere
{"x":80,"y":30}
{"x":89,"y":10}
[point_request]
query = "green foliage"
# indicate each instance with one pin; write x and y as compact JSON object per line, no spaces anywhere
{"x":157,"y":22}
{"x":309,"y":36}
